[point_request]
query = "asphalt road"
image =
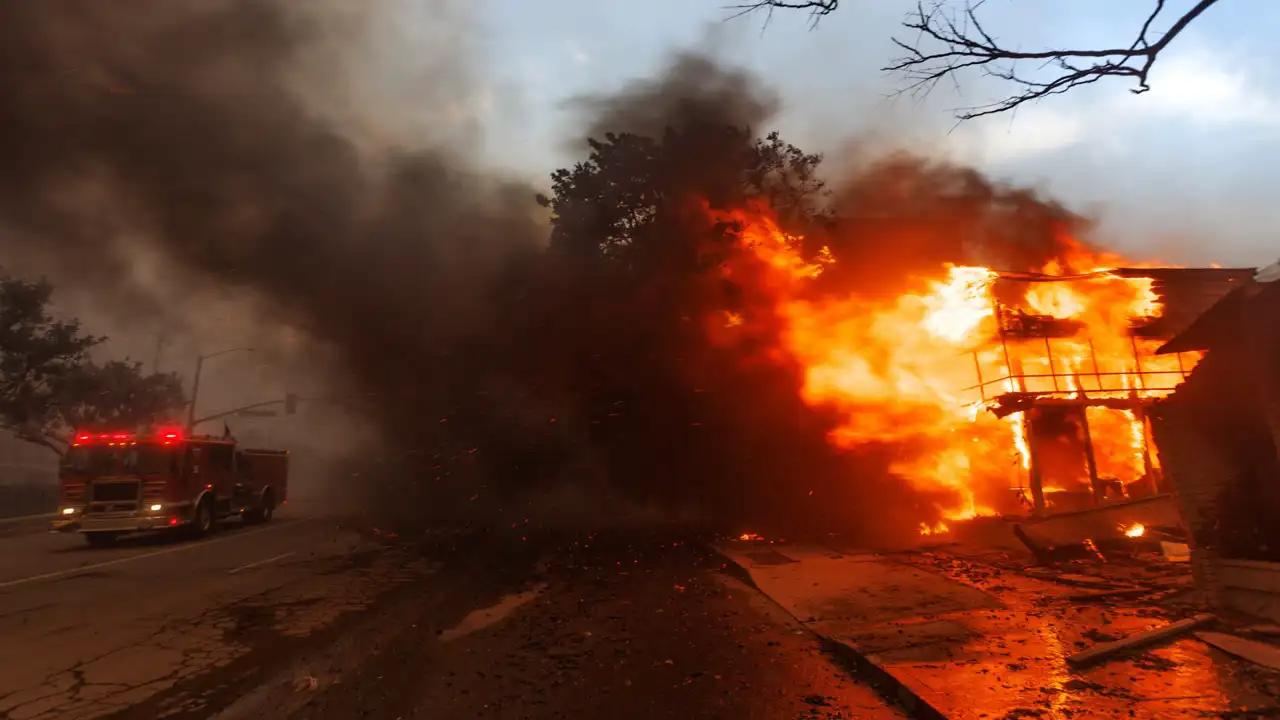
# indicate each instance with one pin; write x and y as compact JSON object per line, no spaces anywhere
{"x":306,"y":618}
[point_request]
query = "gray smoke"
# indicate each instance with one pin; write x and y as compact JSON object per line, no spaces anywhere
{"x":201,"y":133}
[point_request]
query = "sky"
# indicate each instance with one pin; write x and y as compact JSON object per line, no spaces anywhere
{"x":1184,"y":173}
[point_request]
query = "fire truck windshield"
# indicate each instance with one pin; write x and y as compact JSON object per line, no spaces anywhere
{"x":142,"y":459}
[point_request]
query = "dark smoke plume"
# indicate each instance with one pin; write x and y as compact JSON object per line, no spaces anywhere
{"x":178,"y":125}
{"x":692,"y":89}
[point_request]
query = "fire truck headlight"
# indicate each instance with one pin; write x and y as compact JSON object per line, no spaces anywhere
{"x":157,"y":508}
{"x":68,"y":511}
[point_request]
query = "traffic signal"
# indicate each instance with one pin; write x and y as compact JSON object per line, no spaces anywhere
{"x":290,"y":404}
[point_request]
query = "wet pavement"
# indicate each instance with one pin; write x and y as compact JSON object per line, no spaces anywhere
{"x":980,"y":634}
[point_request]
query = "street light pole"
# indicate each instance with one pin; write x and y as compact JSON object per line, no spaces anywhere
{"x":195,"y":383}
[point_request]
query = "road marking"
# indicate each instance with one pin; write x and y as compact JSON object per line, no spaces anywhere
{"x":260,"y":563}
{"x":132,"y":558}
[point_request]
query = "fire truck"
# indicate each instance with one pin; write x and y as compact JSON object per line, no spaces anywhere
{"x":114,"y":483}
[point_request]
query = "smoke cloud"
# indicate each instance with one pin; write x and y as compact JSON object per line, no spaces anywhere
{"x":231,"y":146}
{"x":161,"y":154}
{"x":692,"y":89}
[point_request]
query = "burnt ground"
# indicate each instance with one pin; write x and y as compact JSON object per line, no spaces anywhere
{"x":626,"y":625}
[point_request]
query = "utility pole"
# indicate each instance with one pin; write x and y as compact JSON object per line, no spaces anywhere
{"x":195,"y":383}
{"x":161,"y":341}
{"x":195,"y":392}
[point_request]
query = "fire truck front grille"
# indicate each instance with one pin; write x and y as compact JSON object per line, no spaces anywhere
{"x":114,"y":492}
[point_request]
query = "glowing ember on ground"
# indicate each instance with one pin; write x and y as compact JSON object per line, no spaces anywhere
{"x":920,"y":371}
{"x":745,"y":537}
{"x":1134,"y":530}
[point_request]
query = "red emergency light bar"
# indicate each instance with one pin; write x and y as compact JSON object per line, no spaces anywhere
{"x":167,"y":436}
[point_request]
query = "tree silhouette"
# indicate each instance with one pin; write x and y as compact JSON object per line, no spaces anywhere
{"x":48,"y":383}
{"x":950,"y":40}
{"x":663,"y":408}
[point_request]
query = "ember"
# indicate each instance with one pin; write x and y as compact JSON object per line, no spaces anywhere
{"x":1134,"y":531}
{"x":1059,"y":357}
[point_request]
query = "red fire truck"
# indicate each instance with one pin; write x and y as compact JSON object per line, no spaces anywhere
{"x":121,"y":482}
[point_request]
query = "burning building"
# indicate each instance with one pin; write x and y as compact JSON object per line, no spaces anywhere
{"x":995,"y":392}
{"x":1072,"y":362}
{"x":1219,"y":434}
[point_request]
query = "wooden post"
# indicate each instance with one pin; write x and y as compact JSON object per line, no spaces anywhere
{"x":977,"y":366}
{"x":1148,"y":468}
{"x":1137,"y":363}
{"x":1037,"y":485}
{"x":1097,"y":371}
{"x":1053,"y":372}
{"x":1091,"y":461}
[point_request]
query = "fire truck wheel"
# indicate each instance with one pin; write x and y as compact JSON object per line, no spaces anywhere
{"x":203,"y":523}
{"x":268,"y":508}
{"x":265,"y":510}
{"x":100,"y":539}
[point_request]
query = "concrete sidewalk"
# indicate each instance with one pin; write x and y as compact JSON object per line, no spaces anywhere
{"x":959,"y":638}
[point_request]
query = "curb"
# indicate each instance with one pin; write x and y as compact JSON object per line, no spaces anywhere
{"x":889,"y":686}
{"x":26,"y":525}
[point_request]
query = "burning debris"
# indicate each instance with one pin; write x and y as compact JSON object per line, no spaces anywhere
{"x":1136,"y":530}
{"x":938,"y":528}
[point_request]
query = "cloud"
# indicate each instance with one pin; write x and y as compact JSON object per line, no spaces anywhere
{"x":1032,"y":131}
{"x":1211,"y":89}
{"x":577,"y":53}
{"x":1199,"y":92}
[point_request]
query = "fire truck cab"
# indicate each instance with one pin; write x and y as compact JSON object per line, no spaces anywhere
{"x":114,"y":483}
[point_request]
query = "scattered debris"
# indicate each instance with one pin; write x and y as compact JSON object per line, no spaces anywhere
{"x":1111,"y":649}
{"x":1175,"y":551}
{"x":1049,"y":554}
{"x":1110,"y":594}
{"x":1261,"y":653}
{"x":306,"y":683}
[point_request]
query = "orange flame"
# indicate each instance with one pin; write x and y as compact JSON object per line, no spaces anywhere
{"x":921,"y":369}
{"x":1135,"y":530}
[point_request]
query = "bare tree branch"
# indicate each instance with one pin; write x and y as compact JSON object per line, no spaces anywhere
{"x":950,"y":41}
{"x":816,"y":8}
